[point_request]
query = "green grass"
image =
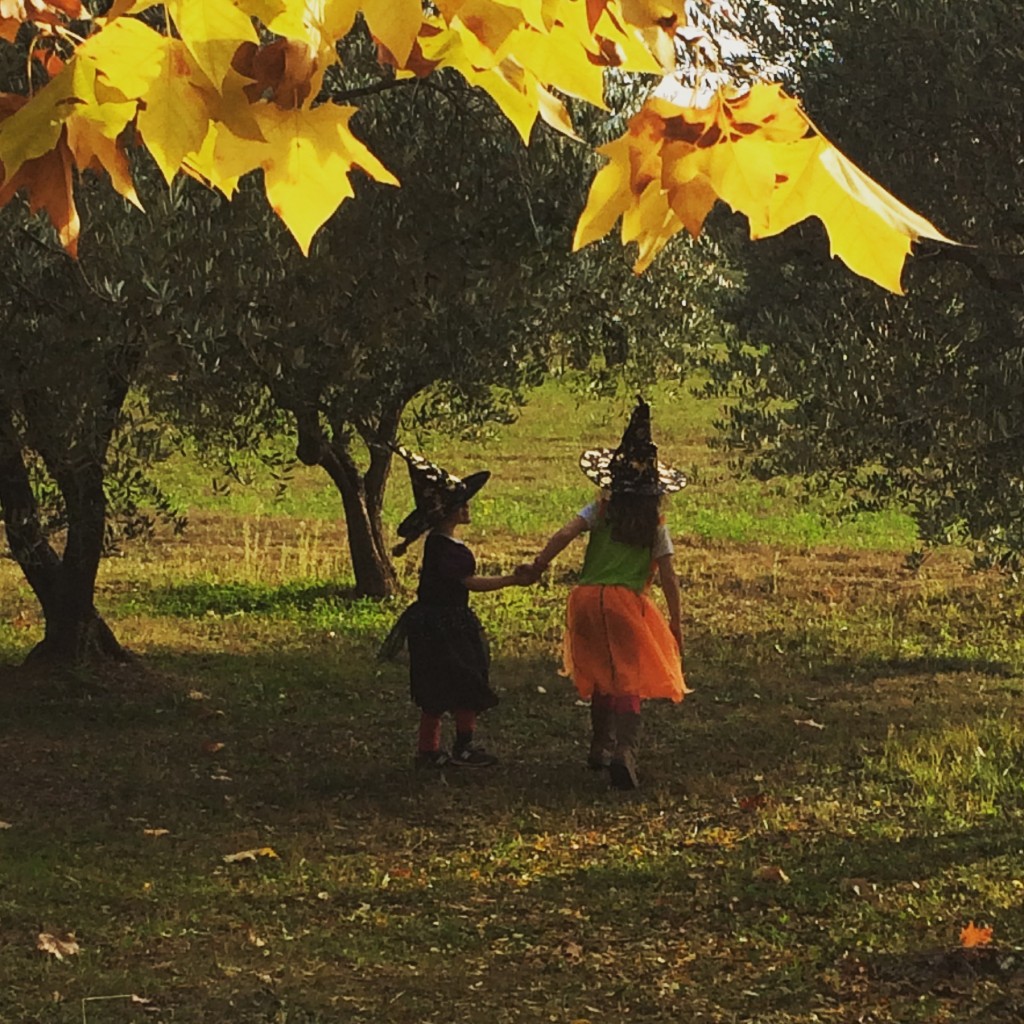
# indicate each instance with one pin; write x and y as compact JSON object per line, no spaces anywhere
{"x":537,"y":484}
{"x":259,"y":717}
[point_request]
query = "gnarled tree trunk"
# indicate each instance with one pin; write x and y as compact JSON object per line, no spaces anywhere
{"x":63,"y":584}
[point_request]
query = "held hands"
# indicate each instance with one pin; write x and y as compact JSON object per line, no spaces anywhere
{"x":526,"y":575}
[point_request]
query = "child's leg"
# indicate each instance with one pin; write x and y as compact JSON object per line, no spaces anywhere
{"x":465,"y":752}
{"x":626,"y":712}
{"x":602,"y":731}
{"x":428,"y":746}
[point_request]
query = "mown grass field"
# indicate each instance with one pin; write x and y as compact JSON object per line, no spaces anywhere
{"x":839,"y":797}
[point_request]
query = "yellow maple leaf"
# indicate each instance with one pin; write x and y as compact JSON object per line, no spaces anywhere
{"x":34,"y":128}
{"x":108,"y":110}
{"x":693,"y":204}
{"x":554,"y":113}
{"x":175,"y":117}
{"x":48,"y":182}
{"x":609,"y":195}
{"x":318,"y":22}
{"x":558,"y":59}
{"x":217,"y":163}
{"x":868,"y":229}
{"x":656,"y":23}
{"x":765,"y":108}
{"x":127,"y":54}
{"x":650,"y":222}
{"x":610,"y":41}
{"x":727,"y":146}
{"x":512,"y":88}
{"x":212,"y":30}
{"x":753,"y":151}
{"x":94,"y":150}
{"x":484,"y":28}
{"x":307,"y":164}
{"x":394,"y":23}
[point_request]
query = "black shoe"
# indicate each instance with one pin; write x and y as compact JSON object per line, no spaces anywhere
{"x":432,"y":759}
{"x":472,"y":756}
{"x":598,"y":762}
{"x":623,"y":774}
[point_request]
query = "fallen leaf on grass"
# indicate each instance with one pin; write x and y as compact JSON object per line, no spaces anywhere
{"x":771,"y":873}
{"x":971,"y":936}
{"x":262,"y":851}
{"x":212,"y":747}
{"x":155,"y":832}
{"x":752,"y":803}
{"x":571,"y":951}
{"x":809,"y":722}
{"x":5,"y":824}
{"x":197,"y":695}
{"x":56,"y":946}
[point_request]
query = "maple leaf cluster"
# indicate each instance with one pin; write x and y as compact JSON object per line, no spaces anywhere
{"x":234,"y":86}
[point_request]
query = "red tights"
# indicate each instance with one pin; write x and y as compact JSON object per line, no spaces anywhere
{"x":430,"y":729}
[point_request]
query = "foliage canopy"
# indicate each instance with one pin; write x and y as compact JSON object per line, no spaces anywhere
{"x":917,"y":401}
{"x":217,"y":89}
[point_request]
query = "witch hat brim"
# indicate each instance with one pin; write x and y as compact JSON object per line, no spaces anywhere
{"x":426,"y":517}
{"x":597,"y":463}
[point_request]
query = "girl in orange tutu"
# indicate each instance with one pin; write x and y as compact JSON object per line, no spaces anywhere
{"x":619,"y":649}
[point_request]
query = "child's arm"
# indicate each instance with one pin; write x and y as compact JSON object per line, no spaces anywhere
{"x":670,"y":587}
{"x":559,"y":541}
{"x":482,"y":584}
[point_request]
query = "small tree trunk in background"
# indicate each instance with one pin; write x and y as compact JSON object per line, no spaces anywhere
{"x":362,"y":499}
{"x":375,"y":575}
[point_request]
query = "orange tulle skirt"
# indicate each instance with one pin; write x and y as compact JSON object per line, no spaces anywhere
{"x":618,"y":642}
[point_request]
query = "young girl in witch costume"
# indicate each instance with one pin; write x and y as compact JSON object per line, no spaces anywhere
{"x":449,"y":661}
{"x":619,"y":649}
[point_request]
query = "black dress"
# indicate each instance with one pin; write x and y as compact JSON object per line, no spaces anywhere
{"x":449,"y":662}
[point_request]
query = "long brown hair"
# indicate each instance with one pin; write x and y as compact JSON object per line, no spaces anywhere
{"x":633,"y":518}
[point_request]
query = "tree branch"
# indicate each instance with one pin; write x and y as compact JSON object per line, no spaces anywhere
{"x":973,"y":261}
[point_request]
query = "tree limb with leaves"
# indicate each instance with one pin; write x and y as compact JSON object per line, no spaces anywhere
{"x":219,"y":89}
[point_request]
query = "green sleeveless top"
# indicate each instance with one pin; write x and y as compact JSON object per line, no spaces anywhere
{"x":612,"y":563}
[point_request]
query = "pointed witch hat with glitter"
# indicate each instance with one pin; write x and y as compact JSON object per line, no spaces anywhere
{"x":633,"y":467}
{"x":436,"y":493}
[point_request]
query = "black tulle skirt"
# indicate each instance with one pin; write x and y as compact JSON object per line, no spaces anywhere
{"x":449,"y":661}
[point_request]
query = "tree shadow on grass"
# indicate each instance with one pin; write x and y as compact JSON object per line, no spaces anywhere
{"x":322,"y":724}
{"x":309,"y":750}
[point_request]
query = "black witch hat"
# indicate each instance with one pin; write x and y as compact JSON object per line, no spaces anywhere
{"x":436,"y":493}
{"x":633,"y":467}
